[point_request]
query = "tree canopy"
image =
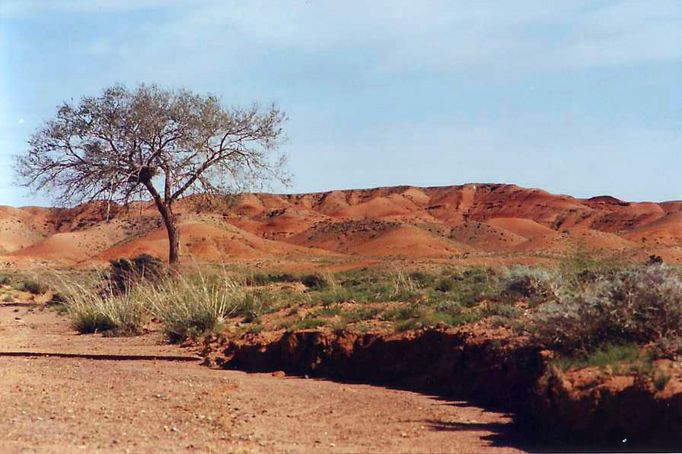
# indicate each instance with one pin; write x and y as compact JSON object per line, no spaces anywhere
{"x":126,"y":144}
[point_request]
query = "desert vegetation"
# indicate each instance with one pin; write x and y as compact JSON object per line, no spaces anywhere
{"x":595,"y":323}
{"x":584,"y":311}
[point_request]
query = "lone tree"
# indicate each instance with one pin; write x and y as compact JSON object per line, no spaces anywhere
{"x":126,"y":145}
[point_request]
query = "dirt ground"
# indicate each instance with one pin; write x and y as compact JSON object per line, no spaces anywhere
{"x":141,"y":398}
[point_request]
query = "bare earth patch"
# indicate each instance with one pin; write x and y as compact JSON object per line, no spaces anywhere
{"x":56,"y":404}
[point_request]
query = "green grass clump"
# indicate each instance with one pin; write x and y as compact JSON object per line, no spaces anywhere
{"x":122,"y":315}
{"x":415,"y":316}
{"x":305,"y":323}
{"x":607,"y":355}
{"x":194,"y":306}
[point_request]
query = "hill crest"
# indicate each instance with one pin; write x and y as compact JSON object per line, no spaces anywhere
{"x":446,"y":222}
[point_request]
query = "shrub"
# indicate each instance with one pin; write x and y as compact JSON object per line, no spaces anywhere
{"x":637,"y":305}
{"x":253,"y":305}
{"x":306,"y":323}
{"x":125,"y":273}
{"x":421,"y":278}
{"x":33,"y":287}
{"x":445,"y":285}
{"x":318,"y":281}
{"x":529,"y":283}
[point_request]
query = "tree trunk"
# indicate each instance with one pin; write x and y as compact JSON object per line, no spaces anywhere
{"x":168,"y":220}
{"x":173,"y":240}
{"x":173,"y":234}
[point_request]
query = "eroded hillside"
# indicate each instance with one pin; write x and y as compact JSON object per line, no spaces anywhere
{"x":469,"y":222}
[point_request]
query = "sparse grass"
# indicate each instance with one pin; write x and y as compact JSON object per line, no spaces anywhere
{"x":305,"y":323}
{"x":29,"y":285}
{"x":592,"y":314}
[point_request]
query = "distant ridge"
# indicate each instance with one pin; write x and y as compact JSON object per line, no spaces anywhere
{"x":471,"y":220}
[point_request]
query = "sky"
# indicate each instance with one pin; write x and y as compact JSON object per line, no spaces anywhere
{"x":575,"y":97}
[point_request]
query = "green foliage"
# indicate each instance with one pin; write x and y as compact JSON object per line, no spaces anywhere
{"x":416,"y":316}
{"x":469,"y":286}
{"x":360,"y":314}
{"x":660,"y":380}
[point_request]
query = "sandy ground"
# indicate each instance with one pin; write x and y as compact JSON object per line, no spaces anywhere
{"x":58,"y":404}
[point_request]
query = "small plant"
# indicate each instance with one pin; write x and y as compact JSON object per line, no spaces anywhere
{"x":445,"y":285}
{"x":660,"y":380}
{"x":306,"y":323}
{"x":254,"y":304}
{"x":318,"y":281}
{"x":529,"y":283}
{"x":360,"y":314}
{"x":260,"y":279}
{"x":33,"y":287}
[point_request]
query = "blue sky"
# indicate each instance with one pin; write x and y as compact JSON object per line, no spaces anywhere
{"x":575,"y":97}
